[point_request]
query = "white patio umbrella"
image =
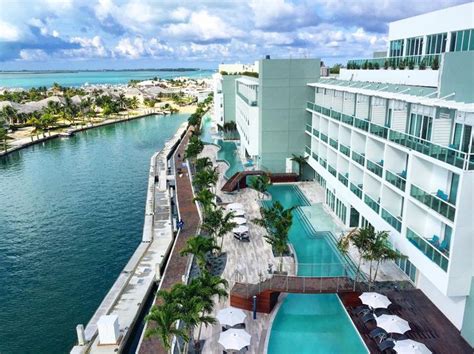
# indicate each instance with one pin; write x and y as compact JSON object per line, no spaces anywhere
{"x":408,"y":346}
{"x":239,"y":212}
{"x":234,"y":206}
{"x":234,"y":339}
{"x":231,"y":316}
{"x":240,"y":229}
{"x":240,"y":221}
{"x":375,"y":300}
{"x":393,"y":324}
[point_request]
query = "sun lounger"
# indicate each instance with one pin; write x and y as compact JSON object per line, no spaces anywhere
{"x":381,"y":311}
{"x":362,"y":310}
{"x":386,"y":345}
{"x":367,"y":318}
{"x":378,"y":334}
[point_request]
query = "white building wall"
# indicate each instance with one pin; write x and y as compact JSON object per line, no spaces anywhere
{"x":247,"y":120}
{"x":426,"y":77}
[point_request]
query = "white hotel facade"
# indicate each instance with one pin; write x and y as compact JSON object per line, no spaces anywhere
{"x":393,"y":149}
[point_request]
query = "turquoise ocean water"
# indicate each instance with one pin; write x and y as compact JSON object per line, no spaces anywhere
{"x":79,"y":78}
{"x":71,"y":215}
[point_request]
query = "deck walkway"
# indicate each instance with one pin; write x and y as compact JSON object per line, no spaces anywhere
{"x":428,"y":324}
{"x":177,"y":264}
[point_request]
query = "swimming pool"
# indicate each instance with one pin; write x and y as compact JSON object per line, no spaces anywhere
{"x":228,"y":149}
{"x":308,"y":323}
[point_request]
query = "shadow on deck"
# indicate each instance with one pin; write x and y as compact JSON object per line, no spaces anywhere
{"x":239,"y":179}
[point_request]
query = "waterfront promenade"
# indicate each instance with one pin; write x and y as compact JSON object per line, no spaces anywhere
{"x":177,"y":265}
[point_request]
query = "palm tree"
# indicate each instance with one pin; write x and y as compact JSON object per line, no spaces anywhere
{"x":206,"y":198}
{"x":279,"y":244}
{"x":194,"y":148}
{"x":261,"y":184}
{"x":217,"y":224}
{"x":3,"y":136}
{"x":301,"y":161}
{"x":9,"y":114}
{"x":199,"y":246}
{"x":203,"y":163}
{"x":380,"y":251}
{"x":206,"y":178}
{"x":165,"y":318}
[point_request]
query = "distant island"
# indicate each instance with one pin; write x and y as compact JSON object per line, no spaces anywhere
{"x":97,"y":70}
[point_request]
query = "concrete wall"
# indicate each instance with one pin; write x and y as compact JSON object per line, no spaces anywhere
{"x":283,"y":94}
{"x":467,"y":330}
{"x":228,"y":91}
{"x":457,"y":76}
{"x":426,"y":77}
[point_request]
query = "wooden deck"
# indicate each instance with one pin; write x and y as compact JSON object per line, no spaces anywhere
{"x":176,"y":266}
{"x":428,"y":324}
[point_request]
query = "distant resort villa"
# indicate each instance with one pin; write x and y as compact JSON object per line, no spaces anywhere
{"x":297,"y":210}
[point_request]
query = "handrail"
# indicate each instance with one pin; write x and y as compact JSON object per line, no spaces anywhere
{"x":441,"y":260}
{"x":450,"y":208}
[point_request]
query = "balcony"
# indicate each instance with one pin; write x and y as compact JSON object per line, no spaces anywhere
{"x":336,"y":115}
{"x":343,"y":179}
{"x":333,"y":143}
{"x":248,"y":101}
{"x":359,"y":158}
{"x":307,"y":149}
{"x":372,"y":203}
{"x":323,"y":137}
{"x":432,"y":201}
{"x":316,"y":133}
{"x":396,"y":180}
{"x":391,"y":220}
{"x":356,"y":190}
{"x":308,"y":128}
{"x":315,"y":156}
{"x":332,"y":170}
{"x":428,"y":249}
{"x":394,"y":62}
{"x":345,"y":150}
{"x":374,"y":167}
{"x":323,"y":162}
{"x":446,"y":154}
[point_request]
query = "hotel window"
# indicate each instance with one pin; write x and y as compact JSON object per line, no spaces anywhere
{"x":407,"y":267}
{"x":420,"y":126}
{"x":396,"y":48}
{"x":414,"y":46}
{"x":462,"y":137}
{"x":436,"y":43}
{"x":462,"y":41}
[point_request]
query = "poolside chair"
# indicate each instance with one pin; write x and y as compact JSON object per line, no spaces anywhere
{"x":361,"y":310}
{"x":443,"y":246}
{"x":378,"y":334}
{"x":381,"y":311}
{"x":386,"y":345}
{"x":367,"y":318}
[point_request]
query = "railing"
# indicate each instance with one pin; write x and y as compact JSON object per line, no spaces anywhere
{"x":333,"y":143}
{"x":392,"y":220}
{"x":393,"y":62}
{"x":249,"y":102}
{"x":343,"y":179}
{"x":308,"y":128}
{"x":324,"y":137}
{"x":395,"y":180}
{"x":356,"y":190}
{"x":372,"y":203}
{"x":428,"y":249}
{"x":345,"y":150}
{"x":336,"y":115}
{"x":316,"y":132}
{"x":307,"y":149}
{"x":323,"y":162}
{"x":358,"y":158}
{"x":332,"y":170}
{"x":432,"y":201}
{"x":374,"y":167}
{"x":446,"y":154}
{"x":315,"y":156}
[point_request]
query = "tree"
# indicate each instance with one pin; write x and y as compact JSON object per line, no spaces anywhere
{"x":3,"y":136}
{"x":199,"y":246}
{"x":335,"y":69}
{"x":194,"y":148}
{"x":9,"y":114}
{"x":380,"y":251}
{"x":206,"y":178}
{"x":165,"y":317}
{"x":301,"y":161}
{"x":261,"y":183}
{"x":206,"y":198}
{"x":435,"y":63}
{"x":217,"y":224}
{"x":203,"y":163}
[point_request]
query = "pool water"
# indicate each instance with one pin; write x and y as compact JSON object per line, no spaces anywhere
{"x":228,"y":149}
{"x":307,"y":323}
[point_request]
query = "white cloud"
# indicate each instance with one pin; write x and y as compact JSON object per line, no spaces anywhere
{"x":180,"y":14}
{"x":33,"y":55}
{"x":90,"y":48}
{"x":203,"y":27}
{"x":267,"y":11}
{"x":272,"y":38}
{"x":140,"y":47}
{"x":9,"y":32}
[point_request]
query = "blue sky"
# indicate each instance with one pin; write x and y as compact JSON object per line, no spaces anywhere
{"x":113,"y":34}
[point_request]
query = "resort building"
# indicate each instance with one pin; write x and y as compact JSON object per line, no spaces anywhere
{"x":394,"y":148}
{"x":270,"y":110}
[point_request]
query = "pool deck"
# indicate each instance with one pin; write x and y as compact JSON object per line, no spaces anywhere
{"x":428,"y":324}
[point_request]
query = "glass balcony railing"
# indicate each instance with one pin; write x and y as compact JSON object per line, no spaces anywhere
{"x":356,"y":190}
{"x":333,"y":143}
{"x":308,"y":128}
{"x":343,"y":179}
{"x":372,"y":203}
{"x":345,"y":150}
{"x":374,"y":167}
{"x":428,"y":249}
{"x":396,"y":180}
{"x":336,"y":115}
{"x":446,"y":154}
{"x":323,"y":137}
{"x":332,"y":170}
{"x":316,"y":133}
{"x":250,"y":102}
{"x":307,"y":149}
{"x":434,"y":202}
{"x":392,"y":220}
{"x":315,"y":156}
{"x":393,"y":62}
{"x":323,"y":162}
{"x":358,"y":158}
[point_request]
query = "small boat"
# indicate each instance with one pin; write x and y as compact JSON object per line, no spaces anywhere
{"x":66,"y":134}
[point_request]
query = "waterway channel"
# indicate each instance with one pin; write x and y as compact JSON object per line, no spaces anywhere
{"x":71,"y":215}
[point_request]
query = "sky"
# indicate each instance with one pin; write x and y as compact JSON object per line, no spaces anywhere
{"x":132,"y":34}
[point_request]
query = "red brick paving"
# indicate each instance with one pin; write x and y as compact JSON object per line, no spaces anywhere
{"x":177,"y":263}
